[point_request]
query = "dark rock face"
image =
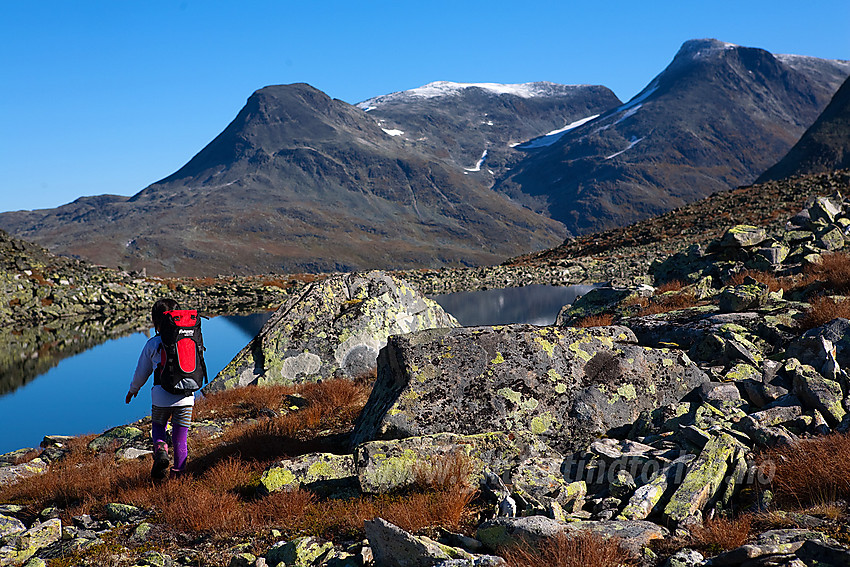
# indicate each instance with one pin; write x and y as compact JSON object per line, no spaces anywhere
{"x":567,"y":386}
{"x":716,"y":118}
{"x":464,"y":121}
{"x":824,"y":147}
{"x":298,"y":182}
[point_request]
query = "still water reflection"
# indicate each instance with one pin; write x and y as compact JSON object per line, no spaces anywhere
{"x":85,"y":393}
{"x":532,"y":304}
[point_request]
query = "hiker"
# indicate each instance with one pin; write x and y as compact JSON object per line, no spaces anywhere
{"x":164,"y":405}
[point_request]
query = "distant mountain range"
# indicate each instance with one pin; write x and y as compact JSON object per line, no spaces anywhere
{"x":449,"y":173}
{"x":715,"y":118}
{"x":824,"y":147}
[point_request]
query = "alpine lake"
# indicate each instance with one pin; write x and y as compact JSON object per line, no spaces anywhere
{"x":77,"y":386}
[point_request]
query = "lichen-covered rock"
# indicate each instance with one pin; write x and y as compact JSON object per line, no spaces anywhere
{"x":394,"y":547}
{"x":808,"y":348}
{"x":817,"y":392}
{"x":744,"y":297}
{"x":651,"y":497}
{"x":566,"y":385}
{"x":116,"y":438}
{"x":124,"y":513}
{"x":388,"y":465}
{"x":314,"y":470}
{"x":26,"y":544}
{"x":704,"y":479}
{"x":300,"y":552}
{"x":9,"y":526}
{"x":598,"y":300}
{"x":334,"y":328}
{"x":742,"y":235}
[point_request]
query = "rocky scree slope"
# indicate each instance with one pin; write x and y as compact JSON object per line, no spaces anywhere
{"x":298,"y":182}
{"x":714,"y":119}
{"x":824,"y":147}
{"x":758,"y":381}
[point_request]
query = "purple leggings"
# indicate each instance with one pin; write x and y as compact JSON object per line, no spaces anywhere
{"x":179,"y":433}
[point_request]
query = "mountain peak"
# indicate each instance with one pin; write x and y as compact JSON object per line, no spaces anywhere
{"x":696,"y":48}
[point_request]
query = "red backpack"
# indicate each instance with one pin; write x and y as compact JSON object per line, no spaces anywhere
{"x":182,"y":370}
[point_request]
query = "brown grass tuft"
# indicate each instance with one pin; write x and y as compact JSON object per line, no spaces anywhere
{"x":722,"y":534}
{"x":822,"y":310}
{"x":766,"y":278}
{"x":811,"y":471}
{"x":582,"y":549}
{"x":669,"y":302}
{"x":444,"y":472}
{"x":600,"y":320}
{"x":189,"y":505}
{"x":673,"y":285}
{"x":833,"y":272}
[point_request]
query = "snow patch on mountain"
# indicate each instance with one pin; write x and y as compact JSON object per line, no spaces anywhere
{"x":392,"y":132}
{"x":447,"y":88}
{"x":551,"y":137}
{"x":479,"y":164}
{"x":635,"y":140}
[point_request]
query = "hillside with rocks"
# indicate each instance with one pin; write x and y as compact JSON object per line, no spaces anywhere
{"x":824,"y":147}
{"x":695,"y":416}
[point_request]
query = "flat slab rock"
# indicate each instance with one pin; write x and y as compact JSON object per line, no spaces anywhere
{"x":334,"y":329}
{"x":634,"y":535}
{"x":568,"y":386}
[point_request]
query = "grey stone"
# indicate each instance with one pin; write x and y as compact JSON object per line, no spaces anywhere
{"x":704,"y":479}
{"x":336,"y":327}
{"x":742,"y":236}
{"x":685,"y":558}
{"x":568,"y":386}
{"x":313,"y":470}
{"x":817,"y":392}
{"x":386,"y":466}
{"x":10,"y":526}
{"x":300,"y":552}
{"x":394,"y":547}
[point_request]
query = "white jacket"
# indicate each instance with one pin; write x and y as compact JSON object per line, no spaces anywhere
{"x":148,"y":360}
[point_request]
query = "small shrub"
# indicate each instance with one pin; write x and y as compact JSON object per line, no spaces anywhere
{"x":600,"y":320}
{"x":669,"y":302}
{"x":570,"y":550}
{"x":286,"y":509}
{"x":443,"y":472}
{"x":771,"y":281}
{"x":191,"y":506}
{"x":722,"y":534}
{"x":833,"y":272}
{"x":673,"y":285}
{"x":822,"y":310}
{"x":811,"y":471}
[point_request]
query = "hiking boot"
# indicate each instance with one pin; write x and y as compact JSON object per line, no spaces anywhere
{"x":161,"y":463}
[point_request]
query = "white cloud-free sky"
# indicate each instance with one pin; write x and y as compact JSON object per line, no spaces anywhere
{"x":110,"y":96}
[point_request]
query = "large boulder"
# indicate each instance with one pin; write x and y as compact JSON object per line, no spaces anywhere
{"x":568,"y":386}
{"x":334,"y":329}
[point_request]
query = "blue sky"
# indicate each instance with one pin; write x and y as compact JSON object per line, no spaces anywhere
{"x":110,"y":96}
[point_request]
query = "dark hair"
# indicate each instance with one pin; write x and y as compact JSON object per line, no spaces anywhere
{"x":159,"y":308}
